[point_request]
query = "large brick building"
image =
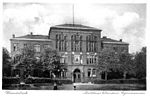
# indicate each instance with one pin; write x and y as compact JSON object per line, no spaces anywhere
{"x":78,"y":45}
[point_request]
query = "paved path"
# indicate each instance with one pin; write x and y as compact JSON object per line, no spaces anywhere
{"x":83,"y":86}
{"x":90,"y":86}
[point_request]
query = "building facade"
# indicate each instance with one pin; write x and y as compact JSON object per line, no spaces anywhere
{"x":78,"y":45}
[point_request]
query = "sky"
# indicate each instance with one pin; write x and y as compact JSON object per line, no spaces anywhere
{"x":117,"y":21}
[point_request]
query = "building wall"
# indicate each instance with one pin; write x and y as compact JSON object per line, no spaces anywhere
{"x":71,"y":66}
{"x":116,"y":47}
{"x":68,"y":54}
{"x":20,"y":45}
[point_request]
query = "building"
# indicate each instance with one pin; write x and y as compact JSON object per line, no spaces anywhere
{"x":78,"y":45}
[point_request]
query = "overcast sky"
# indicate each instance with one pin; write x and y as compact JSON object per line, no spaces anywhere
{"x":117,"y":21}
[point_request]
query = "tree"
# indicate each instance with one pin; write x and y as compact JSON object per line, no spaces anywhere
{"x":51,"y":61}
{"x":25,"y":61}
{"x":6,"y":63}
{"x":126,"y":64}
{"x":108,"y":60}
{"x":140,"y":62}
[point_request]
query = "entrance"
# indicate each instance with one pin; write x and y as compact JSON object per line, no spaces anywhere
{"x":76,"y":75}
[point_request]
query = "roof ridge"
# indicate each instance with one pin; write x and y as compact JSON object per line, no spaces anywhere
{"x":77,"y":26}
{"x":29,"y":36}
{"x":106,"y":39}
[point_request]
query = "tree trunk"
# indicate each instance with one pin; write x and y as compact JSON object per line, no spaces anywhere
{"x":22,"y":74}
{"x":106,"y":75}
{"x":49,"y":74}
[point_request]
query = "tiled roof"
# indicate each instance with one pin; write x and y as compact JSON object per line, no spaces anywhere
{"x":75,"y":26}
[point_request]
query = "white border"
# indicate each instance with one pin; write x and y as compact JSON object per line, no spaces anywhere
{"x":76,"y":93}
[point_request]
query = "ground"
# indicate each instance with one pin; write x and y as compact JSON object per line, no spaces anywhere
{"x":81,"y":86}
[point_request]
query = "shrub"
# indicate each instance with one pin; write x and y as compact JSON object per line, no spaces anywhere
{"x":36,"y":80}
{"x":48,"y":80}
{"x":10,"y":80}
{"x":121,"y":81}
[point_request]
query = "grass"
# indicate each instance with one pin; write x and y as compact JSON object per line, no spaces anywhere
{"x":81,"y":87}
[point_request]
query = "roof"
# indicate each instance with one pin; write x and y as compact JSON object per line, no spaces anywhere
{"x":32,"y":37}
{"x":109,"y":40}
{"x":29,"y":36}
{"x":75,"y":26}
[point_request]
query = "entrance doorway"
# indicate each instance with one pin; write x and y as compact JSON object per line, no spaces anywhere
{"x":76,"y":75}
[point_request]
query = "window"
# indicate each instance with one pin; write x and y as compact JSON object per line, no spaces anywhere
{"x":91,"y":59}
{"x":46,"y":46}
{"x":102,"y":45}
{"x":115,"y":49}
{"x":76,"y":42}
{"x":91,"y":43}
{"x":63,"y":59}
{"x":37,"y":48}
{"x":63,"y":73}
{"x":25,"y":45}
{"x":94,"y":72}
{"x":87,"y":60}
{"x":89,"y":72}
{"x":61,"y":42}
{"x":15,"y":47}
{"x":80,"y":43}
{"x":123,"y":49}
{"x":81,"y":59}
{"x":95,"y":59}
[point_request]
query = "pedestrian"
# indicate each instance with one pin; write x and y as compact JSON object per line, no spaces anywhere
{"x":74,"y":87}
{"x":55,"y":86}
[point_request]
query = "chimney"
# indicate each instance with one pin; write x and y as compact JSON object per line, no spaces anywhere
{"x":120,"y":40}
{"x":31,"y":33}
{"x":13,"y":35}
{"x":104,"y":36}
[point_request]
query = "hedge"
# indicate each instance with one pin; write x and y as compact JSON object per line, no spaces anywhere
{"x":120,"y":81}
{"x":10,"y":80}
{"x":36,"y":80}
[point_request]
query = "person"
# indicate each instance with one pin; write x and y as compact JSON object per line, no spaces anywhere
{"x":55,"y":86}
{"x":74,"y":86}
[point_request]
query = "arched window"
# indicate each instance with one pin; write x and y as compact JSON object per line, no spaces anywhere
{"x":91,"y":43}
{"x":61,"y":42}
{"x":76,"y":42}
{"x":93,"y":72}
{"x":89,"y":72}
{"x":57,"y":37}
{"x":80,"y":43}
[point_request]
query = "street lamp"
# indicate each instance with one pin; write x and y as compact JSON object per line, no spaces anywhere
{"x":72,"y":52}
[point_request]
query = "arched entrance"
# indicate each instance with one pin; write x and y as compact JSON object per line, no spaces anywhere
{"x":76,"y":75}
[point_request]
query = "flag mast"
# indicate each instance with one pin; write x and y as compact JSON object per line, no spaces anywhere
{"x":73,"y":14}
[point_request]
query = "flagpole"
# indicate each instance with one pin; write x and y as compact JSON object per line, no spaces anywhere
{"x":73,"y":13}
